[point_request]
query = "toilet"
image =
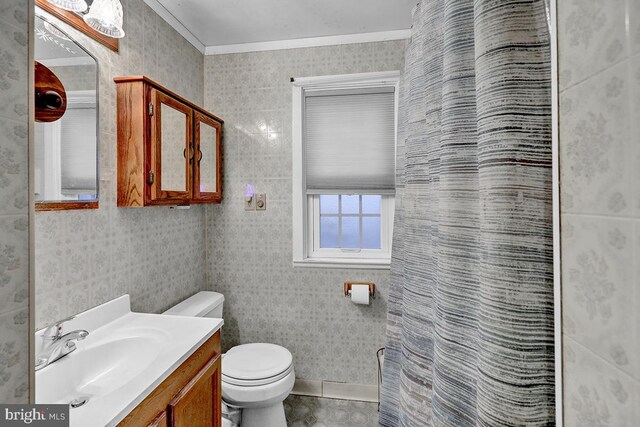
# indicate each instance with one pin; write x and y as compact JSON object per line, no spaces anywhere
{"x":256,"y":378}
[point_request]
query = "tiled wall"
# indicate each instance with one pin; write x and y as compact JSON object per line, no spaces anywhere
{"x":84,"y":258}
{"x":76,"y":77}
{"x":250,"y":253}
{"x":14,"y":220}
{"x":599,"y":58}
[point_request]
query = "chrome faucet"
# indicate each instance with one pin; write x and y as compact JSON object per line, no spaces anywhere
{"x":55,"y":345}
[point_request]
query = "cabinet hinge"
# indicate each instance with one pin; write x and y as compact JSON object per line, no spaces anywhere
{"x":150,"y":109}
{"x":150,"y":178}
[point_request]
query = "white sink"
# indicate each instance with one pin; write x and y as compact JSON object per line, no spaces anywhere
{"x":100,"y":365}
{"x":124,"y":357}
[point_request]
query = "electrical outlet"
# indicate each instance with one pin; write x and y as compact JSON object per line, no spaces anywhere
{"x":249,"y":203}
{"x":261,"y":202}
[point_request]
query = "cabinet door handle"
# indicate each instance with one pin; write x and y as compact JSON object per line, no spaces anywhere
{"x":200,"y":155}
{"x":191,"y":153}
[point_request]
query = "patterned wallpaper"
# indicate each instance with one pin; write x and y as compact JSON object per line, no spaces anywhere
{"x":14,"y":220}
{"x":85,"y":258}
{"x":599,"y":58}
{"x":249,"y":253}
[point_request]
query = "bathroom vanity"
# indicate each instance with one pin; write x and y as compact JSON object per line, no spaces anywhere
{"x":189,"y":397}
{"x":135,"y":369}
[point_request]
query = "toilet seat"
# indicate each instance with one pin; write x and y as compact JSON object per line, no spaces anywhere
{"x":256,"y":364}
{"x":252,"y":383}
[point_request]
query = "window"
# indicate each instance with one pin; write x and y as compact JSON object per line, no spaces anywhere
{"x":344,"y":169}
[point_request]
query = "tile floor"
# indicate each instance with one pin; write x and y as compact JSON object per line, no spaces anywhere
{"x":303,"y":411}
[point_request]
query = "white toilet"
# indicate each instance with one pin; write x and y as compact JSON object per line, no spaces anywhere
{"x":256,"y":378}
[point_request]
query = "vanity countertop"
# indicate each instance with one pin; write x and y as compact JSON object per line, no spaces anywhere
{"x":123,"y":359}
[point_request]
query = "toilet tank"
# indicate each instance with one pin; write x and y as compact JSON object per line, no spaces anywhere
{"x":202,"y":304}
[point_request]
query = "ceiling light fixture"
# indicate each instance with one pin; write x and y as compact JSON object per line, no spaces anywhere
{"x":104,"y":16}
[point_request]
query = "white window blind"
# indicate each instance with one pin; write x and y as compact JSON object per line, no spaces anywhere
{"x":78,"y":150}
{"x":349,"y":141}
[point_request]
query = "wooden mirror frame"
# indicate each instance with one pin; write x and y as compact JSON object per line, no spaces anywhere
{"x":78,"y":23}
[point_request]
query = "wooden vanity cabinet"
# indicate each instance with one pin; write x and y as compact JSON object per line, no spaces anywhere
{"x":190,"y":397}
{"x":169,"y":149}
{"x":195,"y":406}
{"x":207,"y":184}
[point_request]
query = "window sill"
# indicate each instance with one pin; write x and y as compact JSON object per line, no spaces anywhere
{"x":369,"y":264}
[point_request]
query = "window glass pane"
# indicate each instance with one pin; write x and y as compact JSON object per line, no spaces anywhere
{"x":371,"y":204}
{"x":351,"y":205}
{"x":329,"y":232}
{"x":371,"y":232}
{"x":350,"y":232}
{"x":329,"y":204}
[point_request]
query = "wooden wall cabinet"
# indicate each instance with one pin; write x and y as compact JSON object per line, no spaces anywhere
{"x":190,"y":397}
{"x":169,"y":149}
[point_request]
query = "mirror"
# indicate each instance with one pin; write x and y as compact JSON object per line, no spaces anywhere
{"x":207,"y":159}
{"x":66,"y":128}
{"x":173,"y":151}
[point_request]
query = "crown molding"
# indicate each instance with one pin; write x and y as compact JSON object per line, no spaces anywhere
{"x":309,"y":42}
{"x":277,"y":44}
{"x":177,"y":25}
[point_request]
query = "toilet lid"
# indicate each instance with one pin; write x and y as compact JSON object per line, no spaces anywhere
{"x":249,"y":362}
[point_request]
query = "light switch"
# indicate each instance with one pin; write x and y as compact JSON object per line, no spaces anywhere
{"x":261,"y":202}
{"x":249,"y":203}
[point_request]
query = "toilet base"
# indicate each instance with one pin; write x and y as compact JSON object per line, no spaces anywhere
{"x":270,"y":416}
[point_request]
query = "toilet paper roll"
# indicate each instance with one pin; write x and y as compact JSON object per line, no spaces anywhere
{"x":360,"y":294}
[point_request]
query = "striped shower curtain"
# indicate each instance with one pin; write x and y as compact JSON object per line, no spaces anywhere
{"x":470,"y":324}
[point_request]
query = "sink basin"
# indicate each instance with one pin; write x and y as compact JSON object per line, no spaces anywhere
{"x":123,"y":359}
{"x":100,"y":366}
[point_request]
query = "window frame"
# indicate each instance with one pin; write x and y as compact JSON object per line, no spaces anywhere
{"x":386,"y":225}
{"x":306,"y":252}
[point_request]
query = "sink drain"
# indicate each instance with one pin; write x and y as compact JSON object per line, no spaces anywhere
{"x":76,"y":403}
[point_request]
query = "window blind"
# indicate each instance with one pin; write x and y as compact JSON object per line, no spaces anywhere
{"x":349,"y":143}
{"x":78,"y":151}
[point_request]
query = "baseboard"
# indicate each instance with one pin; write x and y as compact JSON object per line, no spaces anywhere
{"x":307,"y":388}
{"x":336,"y":390}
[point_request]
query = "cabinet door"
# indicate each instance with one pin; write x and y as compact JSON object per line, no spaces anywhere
{"x":199,"y":403}
{"x":160,"y":421}
{"x":208,"y":166}
{"x":172,"y":151}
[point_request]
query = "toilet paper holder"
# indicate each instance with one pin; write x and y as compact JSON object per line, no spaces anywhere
{"x":348,"y":285}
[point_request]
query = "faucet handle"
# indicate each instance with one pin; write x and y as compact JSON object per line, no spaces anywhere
{"x":54,"y":331}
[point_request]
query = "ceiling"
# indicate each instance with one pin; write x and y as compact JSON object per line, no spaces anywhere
{"x":231,"y":22}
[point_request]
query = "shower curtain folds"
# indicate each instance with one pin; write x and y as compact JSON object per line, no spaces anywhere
{"x":470,"y":322}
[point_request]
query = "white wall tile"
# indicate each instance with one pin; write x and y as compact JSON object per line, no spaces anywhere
{"x":600,"y":190}
{"x":596,"y":393}
{"x":595,"y":133}
{"x":598,"y":284}
{"x":592,"y":38}
{"x":85,"y":258}
{"x":250,"y":253}
{"x":14,"y":356}
{"x":14,"y":223}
